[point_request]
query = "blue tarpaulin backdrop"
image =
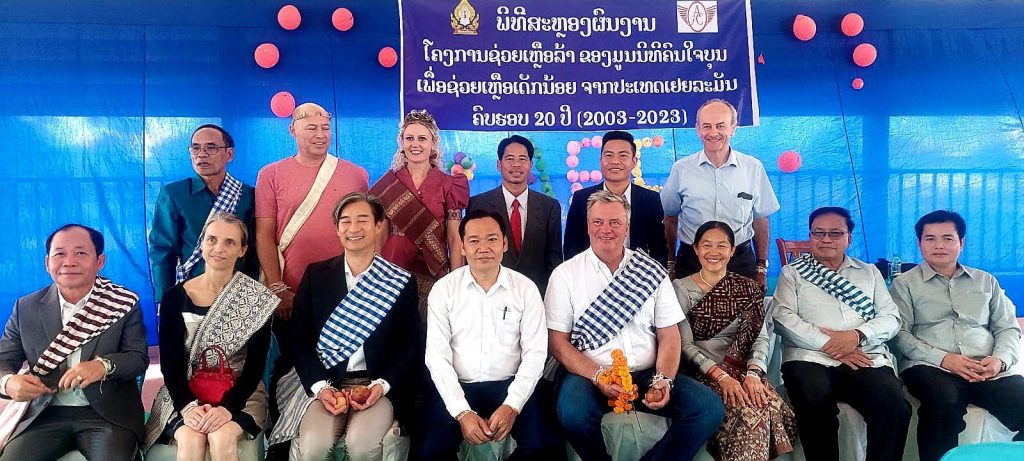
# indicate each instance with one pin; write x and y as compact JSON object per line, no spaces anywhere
{"x":98,"y":98}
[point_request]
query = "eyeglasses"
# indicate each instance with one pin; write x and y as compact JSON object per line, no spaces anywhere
{"x":209,"y":149}
{"x":831,"y":234}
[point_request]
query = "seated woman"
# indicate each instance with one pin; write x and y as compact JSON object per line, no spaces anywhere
{"x":423,"y":204}
{"x":725,"y":346}
{"x":218,"y":308}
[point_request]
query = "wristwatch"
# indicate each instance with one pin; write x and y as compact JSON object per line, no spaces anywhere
{"x":108,"y":366}
{"x":762,"y":263}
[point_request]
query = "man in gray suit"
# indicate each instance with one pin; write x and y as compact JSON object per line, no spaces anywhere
{"x":85,"y":344}
{"x":533,"y":219}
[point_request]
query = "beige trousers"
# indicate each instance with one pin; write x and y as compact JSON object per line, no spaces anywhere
{"x":363,"y":431}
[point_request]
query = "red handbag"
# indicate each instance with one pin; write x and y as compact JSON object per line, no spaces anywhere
{"x":210,"y":383}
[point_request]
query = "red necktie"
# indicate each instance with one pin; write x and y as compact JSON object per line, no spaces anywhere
{"x":516,"y":220}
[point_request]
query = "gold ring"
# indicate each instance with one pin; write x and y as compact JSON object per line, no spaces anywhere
{"x":79,"y":377}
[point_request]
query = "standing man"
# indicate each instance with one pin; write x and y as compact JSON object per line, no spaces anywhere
{"x":183,"y":207}
{"x":486,"y":346}
{"x":294,"y":200}
{"x":611,"y":298}
{"x":84,"y":339}
{"x":618,"y":157}
{"x":958,"y":336}
{"x":534,"y":220}
{"x":834,"y":315}
{"x":719,"y":183}
{"x":356,"y":324}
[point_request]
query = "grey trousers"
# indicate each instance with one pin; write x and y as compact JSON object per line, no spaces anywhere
{"x":59,"y":430}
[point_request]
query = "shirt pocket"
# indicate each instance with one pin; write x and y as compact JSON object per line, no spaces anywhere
{"x":973,"y":307}
{"x":509,"y":326}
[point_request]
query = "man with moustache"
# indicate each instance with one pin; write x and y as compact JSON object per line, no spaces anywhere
{"x":618,"y":157}
{"x":718,"y":183}
{"x":958,"y":336}
{"x":611,"y":298}
{"x":182,"y":208}
{"x":364,"y":331}
{"x":486,"y":346}
{"x":834,"y":315}
{"x":84,"y":339}
{"x":534,"y":220}
{"x":294,"y":198}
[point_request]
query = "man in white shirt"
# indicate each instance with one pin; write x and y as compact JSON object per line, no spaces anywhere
{"x":611,"y":298}
{"x":486,"y":346}
{"x":834,"y":314}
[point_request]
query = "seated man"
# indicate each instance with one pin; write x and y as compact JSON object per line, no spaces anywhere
{"x":835,"y":315}
{"x":85,"y":341}
{"x":355,"y":325}
{"x":486,"y":345}
{"x":958,"y":337}
{"x":611,"y":298}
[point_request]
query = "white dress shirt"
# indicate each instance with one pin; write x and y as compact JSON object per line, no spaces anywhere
{"x":800,"y":309}
{"x":357,"y":361}
{"x":480,"y":336}
{"x":576,"y":283}
{"x":697,"y":192}
{"x":72,"y":397}
{"x":522,"y":206}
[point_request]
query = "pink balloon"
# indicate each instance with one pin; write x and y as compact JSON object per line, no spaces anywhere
{"x":575,"y":187}
{"x":573,"y":147}
{"x":584,"y":176}
{"x":288,"y":17}
{"x":852,"y":24}
{"x":864,"y":55}
{"x":857,"y":83}
{"x":572,"y":175}
{"x":267,"y":55}
{"x":342,"y":19}
{"x":585,"y":142}
{"x":804,"y":27}
{"x":658,"y":141}
{"x":457,"y":169}
{"x":387,"y":57}
{"x":282,"y":104}
{"x":789,"y":161}
{"x":572,"y":161}
{"x":595,"y":141}
{"x":595,"y":175}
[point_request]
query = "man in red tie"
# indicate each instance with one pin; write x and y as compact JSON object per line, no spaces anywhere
{"x":534,"y":220}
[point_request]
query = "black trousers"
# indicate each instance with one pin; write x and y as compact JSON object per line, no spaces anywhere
{"x":944,"y":398}
{"x":60,"y":430}
{"x":876,"y":393}
{"x":536,"y":438}
{"x":743,"y":261}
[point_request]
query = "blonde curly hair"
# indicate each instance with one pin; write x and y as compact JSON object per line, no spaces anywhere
{"x":421,"y":117}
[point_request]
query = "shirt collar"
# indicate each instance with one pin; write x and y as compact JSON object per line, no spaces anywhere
{"x":198,"y":185}
{"x":847,"y":262}
{"x":509,"y":197}
{"x":733,"y":159}
{"x":601,"y":266}
{"x":502,"y":281}
{"x":627,"y":194}
{"x":79,"y":304}
{"x":928,"y":273}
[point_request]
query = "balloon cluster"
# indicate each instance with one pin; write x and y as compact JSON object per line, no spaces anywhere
{"x":267,"y":55}
{"x":462,"y":164}
{"x":576,"y":177}
{"x":641,"y":144}
{"x":864,"y":54}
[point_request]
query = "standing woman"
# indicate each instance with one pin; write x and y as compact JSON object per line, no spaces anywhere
{"x":222,"y":308}
{"x":725,"y":346}
{"x":423,"y":206}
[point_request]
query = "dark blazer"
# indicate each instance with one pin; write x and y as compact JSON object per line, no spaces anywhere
{"x":35,"y":321}
{"x":394,"y":351}
{"x":646,"y":231}
{"x":542,"y":239}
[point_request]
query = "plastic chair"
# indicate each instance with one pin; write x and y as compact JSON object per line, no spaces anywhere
{"x":789,"y":249}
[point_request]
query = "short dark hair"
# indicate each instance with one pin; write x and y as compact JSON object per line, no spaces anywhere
{"x":515,"y":139}
{"x":729,"y":234}
{"x":228,"y":140}
{"x":618,"y":135}
{"x":376,"y":206}
{"x":836,"y":210}
{"x":941,"y":216}
{"x":481,"y":214}
{"x":94,"y":235}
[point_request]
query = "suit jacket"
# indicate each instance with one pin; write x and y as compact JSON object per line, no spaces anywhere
{"x":36,"y":320}
{"x":646,"y":231}
{"x":394,"y":351}
{"x":541,"y":250}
